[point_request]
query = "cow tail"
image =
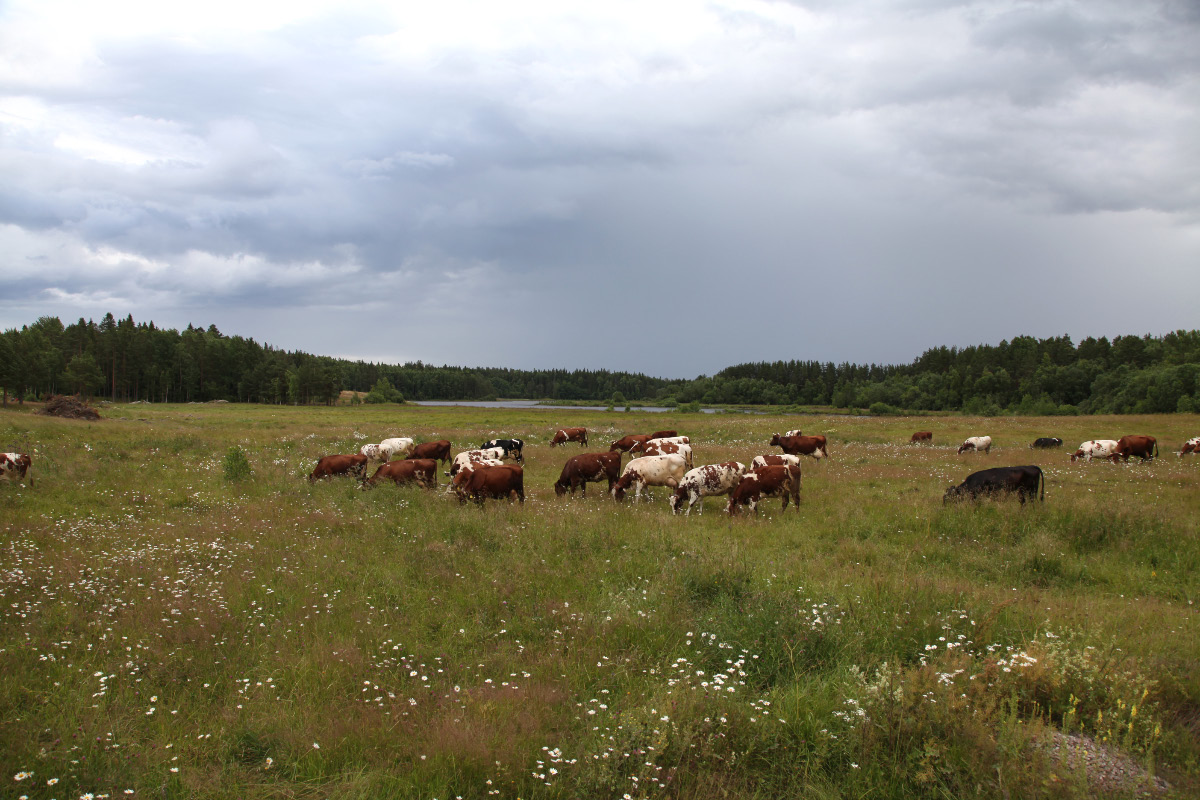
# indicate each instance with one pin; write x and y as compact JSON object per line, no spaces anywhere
{"x":1155,"y":451}
{"x":1042,"y":476}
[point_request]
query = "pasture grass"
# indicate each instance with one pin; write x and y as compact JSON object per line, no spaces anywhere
{"x":184,"y":615}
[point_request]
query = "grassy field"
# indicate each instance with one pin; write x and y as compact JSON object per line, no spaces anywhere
{"x":169,"y":632}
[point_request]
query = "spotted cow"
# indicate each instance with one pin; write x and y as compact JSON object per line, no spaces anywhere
{"x":769,"y":481}
{"x":16,"y":466}
{"x":711,"y":480}
{"x":649,"y":471}
{"x":977,"y":443}
{"x":1096,"y":448}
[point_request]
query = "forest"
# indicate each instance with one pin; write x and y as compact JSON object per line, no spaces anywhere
{"x":124,"y":360}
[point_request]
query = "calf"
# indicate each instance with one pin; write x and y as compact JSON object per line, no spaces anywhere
{"x":775,"y":461}
{"x":512,"y":448}
{"x":570,"y":435}
{"x":1096,"y":448}
{"x":506,"y":480}
{"x":649,"y":471}
{"x":15,"y":466}
{"x":1000,"y":480}
{"x":1190,"y":446}
{"x":328,"y":466}
{"x":658,"y":447}
{"x":708,"y":481}
{"x":814,"y":446}
{"x":581,"y":469}
{"x":469,"y":457}
{"x":922,"y":436}
{"x":625,"y":443}
{"x":1145,"y":447}
{"x":1046,"y":442}
{"x":983,"y":443}
{"x":421,"y":471}
{"x":438,"y":451}
{"x":770,"y":481}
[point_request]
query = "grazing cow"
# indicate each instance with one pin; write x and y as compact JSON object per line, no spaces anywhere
{"x":802,"y":445}
{"x":626,"y":442}
{"x":1000,"y":480}
{"x":707,"y":481}
{"x":640,"y":447}
{"x":922,"y":436}
{"x":570,"y":435}
{"x":649,"y":471}
{"x":438,"y":451}
{"x":512,"y":448}
{"x":983,"y":443}
{"x":15,"y":466}
{"x":372,"y":452}
{"x":387,"y":448}
{"x":663,"y":434}
{"x":1046,"y":442}
{"x":585,"y":467}
{"x":506,"y":480}
{"x":658,"y":447}
{"x":1096,"y":448}
{"x":1145,"y":447}
{"x":1190,"y":446}
{"x":328,"y":466}
{"x":796,"y":432}
{"x":421,"y":471}
{"x":469,"y":457}
{"x":774,"y":460}
{"x":769,"y":481}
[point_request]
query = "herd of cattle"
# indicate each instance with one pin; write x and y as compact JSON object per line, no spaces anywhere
{"x":662,"y":458}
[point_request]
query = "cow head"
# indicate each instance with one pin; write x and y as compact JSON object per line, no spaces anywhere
{"x":676,"y":499}
{"x":622,"y":485}
{"x":953,"y":493}
{"x":560,"y":488}
{"x":775,"y":440}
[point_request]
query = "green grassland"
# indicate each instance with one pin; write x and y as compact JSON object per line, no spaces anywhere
{"x":172,"y":632}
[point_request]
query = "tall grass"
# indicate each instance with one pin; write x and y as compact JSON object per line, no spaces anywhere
{"x":173,"y":632}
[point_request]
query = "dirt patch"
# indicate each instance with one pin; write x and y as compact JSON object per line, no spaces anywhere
{"x":69,"y":407}
{"x":1106,"y":768}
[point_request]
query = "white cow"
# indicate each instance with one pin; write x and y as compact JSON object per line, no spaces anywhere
{"x":782,"y":459}
{"x":650,"y":471}
{"x":707,"y":481}
{"x":983,"y":443}
{"x":401,"y":445}
{"x":468,"y":457}
{"x":657,"y":447}
{"x":1096,"y":448}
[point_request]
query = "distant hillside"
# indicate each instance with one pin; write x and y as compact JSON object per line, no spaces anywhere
{"x":126,"y":360}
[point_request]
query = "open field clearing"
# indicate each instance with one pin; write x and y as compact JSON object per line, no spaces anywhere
{"x":168,"y":632}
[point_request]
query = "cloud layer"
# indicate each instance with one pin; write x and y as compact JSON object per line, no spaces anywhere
{"x":670,"y":189}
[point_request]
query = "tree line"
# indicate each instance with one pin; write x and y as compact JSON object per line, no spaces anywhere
{"x":124,"y":360}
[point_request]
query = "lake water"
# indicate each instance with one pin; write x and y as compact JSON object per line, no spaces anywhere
{"x":535,"y":404}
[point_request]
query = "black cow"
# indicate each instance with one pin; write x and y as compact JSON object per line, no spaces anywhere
{"x":1000,"y":480}
{"x":511,"y":447}
{"x":1046,"y":441}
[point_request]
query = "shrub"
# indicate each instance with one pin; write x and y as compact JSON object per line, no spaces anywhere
{"x":236,"y":465}
{"x":689,"y":408}
{"x":883,"y":409}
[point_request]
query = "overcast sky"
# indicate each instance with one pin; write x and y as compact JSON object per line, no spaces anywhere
{"x":666,"y":187}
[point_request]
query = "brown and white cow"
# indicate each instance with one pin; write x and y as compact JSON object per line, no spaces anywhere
{"x":663,"y":434}
{"x":1096,"y":448}
{"x":710,"y":480}
{"x":922,"y":436}
{"x":976,"y":443}
{"x":776,"y":460}
{"x":1146,"y":447}
{"x":649,"y":471}
{"x":1190,"y":446}
{"x":585,"y":467}
{"x":328,"y":466}
{"x":564,"y":435}
{"x":772,"y":481}
{"x":421,"y":471}
{"x":468,"y":457}
{"x":504,"y":481}
{"x":661,"y":447}
{"x":626,"y":442}
{"x":438,"y":451}
{"x":814,"y":446}
{"x":796,"y":432}
{"x":15,"y":467}
{"x":641,"y":446}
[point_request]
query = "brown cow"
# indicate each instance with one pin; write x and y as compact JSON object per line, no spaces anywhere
{"x":1144,"y":446}
{"x":1190,"y":446}
{"x":922,"y":436}
{"x":766,"y":482}
{"x":663,"y":434}
{"x":328,"y":466}
{"x":421,"y":471}
{"x":507,"y":480}
{"x":625,"y":443}
{"x":15,"y":466}
{"x":438,"y":451}
{"x":588,"y":467}
{"x":570,"y":435}
{"x":802,"y":445}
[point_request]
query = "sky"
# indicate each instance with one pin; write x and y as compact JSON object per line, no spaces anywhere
{"x":668,"y":187}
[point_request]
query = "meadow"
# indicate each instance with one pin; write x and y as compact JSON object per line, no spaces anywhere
{"x":173,"y":628}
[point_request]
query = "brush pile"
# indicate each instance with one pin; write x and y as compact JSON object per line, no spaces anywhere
{"x":70,"y":407}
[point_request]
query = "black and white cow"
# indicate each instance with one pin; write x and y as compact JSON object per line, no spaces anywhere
{"x":512,"y":448}
{"x":1046,"y":442}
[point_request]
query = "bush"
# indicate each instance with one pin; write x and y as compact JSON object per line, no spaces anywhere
{"x":236,"y":465}
{"x":383,"y":392}
{"x":689,"y":408}
{"x":883,"y":409}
